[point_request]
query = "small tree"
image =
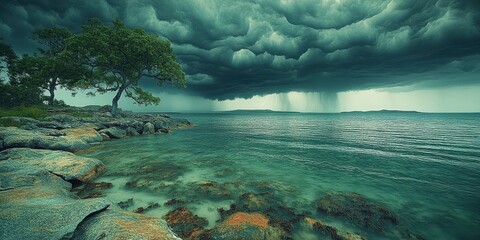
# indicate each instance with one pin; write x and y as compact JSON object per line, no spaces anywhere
{"x":119,"y":57}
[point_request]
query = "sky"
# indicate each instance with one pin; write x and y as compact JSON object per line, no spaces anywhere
{"x":308,"y":55}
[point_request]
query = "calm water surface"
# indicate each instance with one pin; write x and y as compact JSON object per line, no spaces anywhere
{"x":423,"y":167}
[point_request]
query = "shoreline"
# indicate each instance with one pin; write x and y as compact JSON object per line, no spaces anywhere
{"x":39,"y":169}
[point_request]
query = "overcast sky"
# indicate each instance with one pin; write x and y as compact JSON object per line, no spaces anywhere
{"x":310,"y":55}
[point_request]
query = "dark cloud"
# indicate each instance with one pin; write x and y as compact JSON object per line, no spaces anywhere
{"x":244,"y":48}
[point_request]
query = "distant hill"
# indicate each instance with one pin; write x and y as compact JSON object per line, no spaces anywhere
{"x":383,"y":111}
{"x":246,"y":111}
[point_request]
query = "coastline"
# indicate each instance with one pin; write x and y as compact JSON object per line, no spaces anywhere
{"x":39,"y":169}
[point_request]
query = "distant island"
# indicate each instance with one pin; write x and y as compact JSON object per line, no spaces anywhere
{"x":382,"y":111}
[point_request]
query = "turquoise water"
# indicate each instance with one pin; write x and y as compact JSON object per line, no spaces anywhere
{"x":423,"y":167}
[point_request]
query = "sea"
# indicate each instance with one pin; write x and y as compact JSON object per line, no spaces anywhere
{"x":422,"y":167}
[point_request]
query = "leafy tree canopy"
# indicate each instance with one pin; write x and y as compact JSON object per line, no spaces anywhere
{"x":119,"y":57}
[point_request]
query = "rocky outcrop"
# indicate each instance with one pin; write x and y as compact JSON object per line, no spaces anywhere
{"x":148,"y":128}
{"x":67,"y":165}
{"x":36,"y":204}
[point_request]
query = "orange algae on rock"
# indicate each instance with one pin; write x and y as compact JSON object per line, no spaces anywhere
{"x":241,"y":218}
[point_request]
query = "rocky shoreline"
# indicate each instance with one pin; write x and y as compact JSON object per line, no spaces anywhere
{"x":38,"y":169}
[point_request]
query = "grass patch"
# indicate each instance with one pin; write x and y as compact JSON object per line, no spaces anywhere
{"x":36,"y":112}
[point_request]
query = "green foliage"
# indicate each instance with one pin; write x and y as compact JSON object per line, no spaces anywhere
{"x":54,"y":67}
{"x":19,"y":93}
{"x":119,"y":58}
{"x":7,"y":58}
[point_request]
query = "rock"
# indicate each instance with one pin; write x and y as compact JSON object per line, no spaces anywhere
{"x":132,"y":131}
{"x":1,"y":144}
{"x":14,"y":137}
{"x":51,"y":125}
{"x":62,"y":118}
{"x":148,"y":128}
{"x":114,"y":132}
{"x":86,"y":133}
{"x":184,"y":223}
{"x":356,"y":208}
{"x":332,"y":232}
{"x":15,"y":174}
{"x":90,"y":190}
{"x":115,"y":223}
{"x":243,"y":225}
{"x":43,"y":212}
{"x":67,"y":165}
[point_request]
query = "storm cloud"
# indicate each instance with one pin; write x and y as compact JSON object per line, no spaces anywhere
{"x":231,"y":49}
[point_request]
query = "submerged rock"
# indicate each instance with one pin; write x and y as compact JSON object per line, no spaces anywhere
{"x":267,"y":204}
{"x":67,"y":165}
{"x":125,"y":204}
{"x":185,"y":223}
{"x":43,"y":212}
{"x":174,"y":201}
{"x":332,"y":232}
{"x":356,"y":208}
{"x":243,"y":225}
{"x":147,"y":208}
{"x":115,"y":223}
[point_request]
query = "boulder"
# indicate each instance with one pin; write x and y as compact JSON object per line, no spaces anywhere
{"x":132,"y":131}
{"x":114,"y":132}
{"x":148,"y":128}
{"x":67,"y":165}
{"x":43,"y":212}
{"x":115,"y":223}
{"x":356,"y":208}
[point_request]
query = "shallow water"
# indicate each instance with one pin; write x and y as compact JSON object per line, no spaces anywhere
{"x":423,"y":167}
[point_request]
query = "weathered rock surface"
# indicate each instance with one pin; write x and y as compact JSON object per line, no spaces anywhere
{"x":67,"y":165}
{"x":43,"y":212}
{"x":15,"y":174}
{"x":115,"y":223}
{"x":356,"y":208}
{"x":14,"y":137}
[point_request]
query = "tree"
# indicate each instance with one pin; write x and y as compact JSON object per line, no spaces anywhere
{"x":119,"y":57}
{"x":54,"y":67}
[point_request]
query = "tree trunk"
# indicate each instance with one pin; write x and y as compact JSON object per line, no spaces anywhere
{"x":51,"y":90}
{"x":115,"y":100}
